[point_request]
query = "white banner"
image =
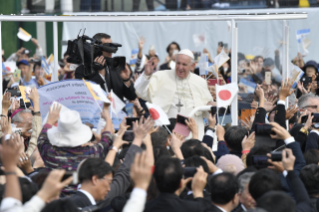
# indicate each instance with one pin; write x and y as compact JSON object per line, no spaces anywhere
{"x":74,"y":95}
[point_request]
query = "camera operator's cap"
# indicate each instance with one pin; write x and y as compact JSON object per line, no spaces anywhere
{"x":311,"y":63}
{"x":24,"y":62}
{"x":187,"y":52}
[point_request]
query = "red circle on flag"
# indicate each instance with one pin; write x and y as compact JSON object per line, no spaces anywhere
{"x":155,"y":115}
{"x":224,"y":95}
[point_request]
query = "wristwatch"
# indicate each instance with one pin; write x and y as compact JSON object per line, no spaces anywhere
{"x":303,"y":130}
{"x":34,"y":113}
{"x":212,"y":129}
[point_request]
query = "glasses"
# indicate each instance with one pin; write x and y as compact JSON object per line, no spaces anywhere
{"x":312,"y":106}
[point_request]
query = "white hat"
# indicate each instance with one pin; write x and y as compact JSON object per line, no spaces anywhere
{"x":70,"y":131}
{"x":187,"y":52}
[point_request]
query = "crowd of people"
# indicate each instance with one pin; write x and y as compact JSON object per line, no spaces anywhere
{"x":269,"y":162}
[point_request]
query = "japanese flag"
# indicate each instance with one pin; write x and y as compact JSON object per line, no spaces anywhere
{"x":157,"y":114}
{"x":225,"y":94}
{"x":117,"y":103}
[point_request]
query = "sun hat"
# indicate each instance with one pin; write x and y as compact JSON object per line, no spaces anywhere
{"x":70,"y":132}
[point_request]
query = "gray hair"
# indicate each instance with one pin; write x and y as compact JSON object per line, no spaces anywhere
{"x":244,"y":180}
{"x":303,"y":101}
{"x":17,"y":117}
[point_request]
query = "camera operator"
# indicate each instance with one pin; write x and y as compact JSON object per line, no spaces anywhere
{"x":107,"y":78}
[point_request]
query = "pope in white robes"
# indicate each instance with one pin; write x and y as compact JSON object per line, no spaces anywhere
{"x":176,"y":91}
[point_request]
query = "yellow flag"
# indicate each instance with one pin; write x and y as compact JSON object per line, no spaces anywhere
{"x":88,"y":85}
{"x":304,"y":3}
{"x":23,"y":94}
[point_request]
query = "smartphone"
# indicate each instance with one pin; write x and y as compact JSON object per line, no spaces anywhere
{"x":128,"y":136}
{"x":260,"y":161}
{"x":181,"y":127}
{"x":17,"y":74}
{"x":181,"y":119}
{"x":306,"y":81}
{"x":268,"y":77}
{"x":129,"y":122}
{"x":213,"y":82}
{"x":213,"y":110}
{"x":68,"y":174}
{"x":226,"y":45}
{"x":189,"y":172}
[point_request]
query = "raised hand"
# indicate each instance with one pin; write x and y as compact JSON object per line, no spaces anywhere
{"x":199,"y":182}
{"x":6,"y":103}
{"x":149,"y":67}
{"x":143,"y":127}
{"x":288,"y":161}
{"x":285,"y":89}
{"x":290,"y":112}
{"x":141,"y":171}
{"x":54,"y":114}
{"x":10,"y":152}
{"x":141,"y":42}
{"x":248,"y":143}
{"x":191,"y":123}
{"x":281,"y":133}
{"x":52,"y":185}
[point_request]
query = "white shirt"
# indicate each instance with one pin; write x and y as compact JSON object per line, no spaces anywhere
{"x":9,"y":204}
{"x":222,"y":209}
{"x":89,"y":196}
{"x":136,"y":202}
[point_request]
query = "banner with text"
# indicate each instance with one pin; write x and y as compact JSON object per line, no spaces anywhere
{"x":74,"y":95}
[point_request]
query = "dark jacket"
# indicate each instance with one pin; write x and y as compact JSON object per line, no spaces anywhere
{"x":167,"y":202}
{"x":80,"y":200}
{"x":303,"y":203}
{"x":113,"y":80}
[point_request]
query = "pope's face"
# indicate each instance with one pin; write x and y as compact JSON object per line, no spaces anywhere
{"x":183,"y":66}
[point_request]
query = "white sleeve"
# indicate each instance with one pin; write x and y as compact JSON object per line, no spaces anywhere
{"x":141,"y":86}
{"x":36,"y":204}
{"x":9,"y":204}
{"x":13,"y":58}
{"x":136,"y":202}
{"x":39,"y":51}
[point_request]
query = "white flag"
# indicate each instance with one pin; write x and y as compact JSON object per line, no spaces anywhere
{"x":24,"y":35}
{"x":199,"y":39}
{"x":157,"y":114}
{"x":220,"y":59}
{"x":203,"y":64}
{"x":225,"y":94}
{"x":117,"y":103}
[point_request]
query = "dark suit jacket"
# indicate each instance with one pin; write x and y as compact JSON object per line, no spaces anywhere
{"x":239,"y":208}
{"x":116,"y":83}
{"x":280,"y":115}
{"x":167,"y":202}
{"x":80,"y":200}
{"x":303,"y":203}
{"x":213,"y":208}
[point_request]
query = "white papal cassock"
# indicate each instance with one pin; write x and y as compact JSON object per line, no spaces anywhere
{"x":167,"y":90}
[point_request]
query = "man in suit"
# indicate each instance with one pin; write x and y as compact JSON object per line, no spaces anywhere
{"x":107,"y":78}
{"x":224,"y":192}
{"x":103,"y":188}
{"x":95,"y":176}
{"x":245,"y":199}
{"x":168,"y":175}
